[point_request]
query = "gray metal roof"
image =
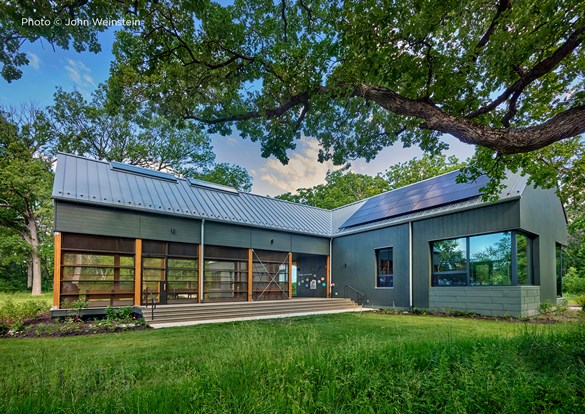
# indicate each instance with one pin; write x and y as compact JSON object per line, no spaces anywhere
{"x":89,"y":181}
{"x":96,"y":182}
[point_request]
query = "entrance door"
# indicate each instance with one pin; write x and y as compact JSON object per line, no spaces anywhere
{"x":311,"y":275}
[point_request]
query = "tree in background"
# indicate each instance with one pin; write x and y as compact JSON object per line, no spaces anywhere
{"x":342,"y":187}
{"x":25,"y":184}
{"x":136,"y":137}
{"x":410,"y":172}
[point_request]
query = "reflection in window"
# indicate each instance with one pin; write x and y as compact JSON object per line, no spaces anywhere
{"x":450,"y":262}
{"x":522,"y":244}
{"x":385,"y":270}
{"x":490,"y":259}
{"x":498,"y":259}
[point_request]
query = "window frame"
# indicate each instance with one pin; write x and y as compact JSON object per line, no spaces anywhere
{"x":513,"y":259}
{"x":377,"y":251}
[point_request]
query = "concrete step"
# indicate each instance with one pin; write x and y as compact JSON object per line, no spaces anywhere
{"x":182,"y":314}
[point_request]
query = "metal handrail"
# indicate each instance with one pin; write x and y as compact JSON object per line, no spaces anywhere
{"x":149,"y":292}
{"x":360,"y":296}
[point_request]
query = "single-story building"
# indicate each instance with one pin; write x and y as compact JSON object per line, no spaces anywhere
{"x":125,"y":235}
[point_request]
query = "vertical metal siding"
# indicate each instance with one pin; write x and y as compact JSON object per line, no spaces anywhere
{"x":488,"y":219}
{"x":219,"y":234}
{"x":308,"y":244}
{"x":271,"y":240}
{"x":355,"y":264}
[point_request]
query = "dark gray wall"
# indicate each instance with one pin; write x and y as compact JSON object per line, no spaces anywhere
{"x":86,"y":219}
{"x":541,"y":213}
{"x":354,"y":263}
{"x":489,"y":219}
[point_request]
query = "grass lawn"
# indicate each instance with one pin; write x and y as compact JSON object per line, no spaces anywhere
{"x":343,"y":363}
{"x":21,"y":297}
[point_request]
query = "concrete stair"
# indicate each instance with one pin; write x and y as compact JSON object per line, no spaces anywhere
{"x":191,"y":314}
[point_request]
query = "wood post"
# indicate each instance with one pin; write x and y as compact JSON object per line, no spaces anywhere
{"x":201,"y":272}
{"x":57,"y":271}
{"x":328,"y":276}
{"x":290,"y":286}
{"x":138,"y":272}
{"x":250,"y":275}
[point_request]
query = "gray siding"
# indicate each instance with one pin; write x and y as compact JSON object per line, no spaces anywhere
{"x":86,"y":219}
{"x":219,"y":234}
{"x":311,"y":245}
{"x":489,"y":219}
{"x":518,"y":301}
{"x":354,"y":263}
{"x":541,"y":213}
{"x":271,"y":240}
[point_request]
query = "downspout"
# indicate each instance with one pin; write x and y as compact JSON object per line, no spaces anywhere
{"x":330,"y":267}
{"x":202,"y":267}
{"x":410,"y":264}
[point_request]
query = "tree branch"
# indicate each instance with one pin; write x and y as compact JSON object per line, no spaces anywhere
{"x":540,"y":69}
{"x":503,"y":140}
{"x":503,"y":5}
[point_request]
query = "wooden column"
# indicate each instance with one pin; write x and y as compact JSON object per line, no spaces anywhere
{"x":138,"y":272}
{"x":250,"y":276}
{"x":200,"y":273}
{"x":290,"y":286}
{"x":328,"y":276}
{"x":57,"y":271}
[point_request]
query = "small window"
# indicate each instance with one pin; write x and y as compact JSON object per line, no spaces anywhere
{"x":385,"y":268}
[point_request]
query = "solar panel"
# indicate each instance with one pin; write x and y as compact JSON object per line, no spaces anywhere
{"x":142,"y":171}
{"x":212,"y":186}
{"x":423,"y":195}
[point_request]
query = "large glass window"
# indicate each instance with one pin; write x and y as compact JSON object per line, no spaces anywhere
{"x":497,"y":259}
{"x":490,"y":259}
{"x":385,"y":267}
{"x":450,"y":262}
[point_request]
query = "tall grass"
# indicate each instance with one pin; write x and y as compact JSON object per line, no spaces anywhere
{"x":20,"y":297}
{"x":350,"y":363}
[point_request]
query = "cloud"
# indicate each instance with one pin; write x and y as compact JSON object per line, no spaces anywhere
{"x":34,"y":60}
{"x":303,"y":170}
{"x":79,"y":73}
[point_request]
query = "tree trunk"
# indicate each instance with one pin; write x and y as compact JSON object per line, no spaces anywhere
{"x":36,"y":258}
{"x":29,"y":275}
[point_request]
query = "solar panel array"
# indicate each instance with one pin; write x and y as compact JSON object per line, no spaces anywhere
{"x":423,"y":195}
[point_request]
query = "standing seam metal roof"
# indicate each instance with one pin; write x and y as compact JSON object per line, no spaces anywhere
{"x":85,"y":180}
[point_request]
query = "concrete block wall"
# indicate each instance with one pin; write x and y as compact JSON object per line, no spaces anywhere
{"x":518,"y":301}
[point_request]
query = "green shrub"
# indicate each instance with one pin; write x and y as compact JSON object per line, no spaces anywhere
{"x":11,"y":312}
{"x":545,"y":308}
{"x":581,"y":301}
{"x":574,"y":282}
{"x":562,"y":306}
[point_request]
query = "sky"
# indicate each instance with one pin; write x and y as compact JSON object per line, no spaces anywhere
{"x":50,"y":68}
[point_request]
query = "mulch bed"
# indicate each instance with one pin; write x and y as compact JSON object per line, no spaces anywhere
{"x":43,"y":326}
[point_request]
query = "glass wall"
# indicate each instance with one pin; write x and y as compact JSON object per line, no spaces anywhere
{"x":496,"y":259}
{"x":97,"y":270}
{"x":225,"y":274}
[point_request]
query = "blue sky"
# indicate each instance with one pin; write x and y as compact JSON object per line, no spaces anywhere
{"x":50,"y":68}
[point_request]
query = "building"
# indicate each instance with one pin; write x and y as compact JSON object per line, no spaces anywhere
{"x":125,"y":235}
